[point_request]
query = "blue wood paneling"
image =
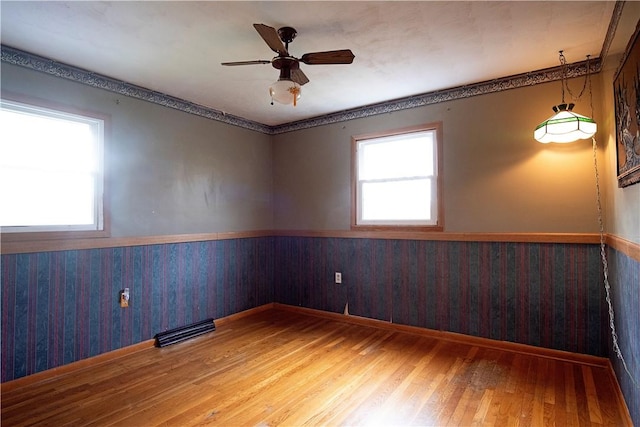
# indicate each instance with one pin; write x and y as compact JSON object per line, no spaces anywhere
{"x":60,"y":307}
{"x":548,"y":295}
{"x":624,"y":277}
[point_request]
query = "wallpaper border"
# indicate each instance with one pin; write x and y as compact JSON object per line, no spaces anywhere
{"x":21,"y":58}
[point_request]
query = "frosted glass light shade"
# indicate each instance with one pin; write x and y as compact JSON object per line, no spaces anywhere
{"x":285,"y":91}
{"x":565,"y":126}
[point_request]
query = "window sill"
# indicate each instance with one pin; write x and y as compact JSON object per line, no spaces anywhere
{"x":53,"y":235}
{"x":399,"y":228}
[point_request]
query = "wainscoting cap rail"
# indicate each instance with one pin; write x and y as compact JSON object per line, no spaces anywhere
{"x":589,"y":238}
{"x":14,"y":246}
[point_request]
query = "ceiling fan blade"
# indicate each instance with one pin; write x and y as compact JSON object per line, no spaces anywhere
{"x":344,"y":56}
{"x":270,"y":36}
{"x":259,"y":61}
{"x":299,"y":77}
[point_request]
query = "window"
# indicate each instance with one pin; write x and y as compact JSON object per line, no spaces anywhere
{"x":396,"y":179}
{"x":51,"y":170}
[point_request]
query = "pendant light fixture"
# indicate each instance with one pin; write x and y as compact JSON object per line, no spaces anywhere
{"x":565,"y":125}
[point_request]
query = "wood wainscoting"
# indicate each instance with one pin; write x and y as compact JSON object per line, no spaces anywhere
{"x":279,"y":365}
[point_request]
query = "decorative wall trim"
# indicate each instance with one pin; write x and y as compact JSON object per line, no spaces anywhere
{"x":38,"y":63}
{"x":611,"y":30}
{"x":31,"y":246}
{"x":630,"y":249}
{"x":588,"y":238}
{"x":497,"y":85}
{"x":79,"y":75}
{"x":627,"y":247}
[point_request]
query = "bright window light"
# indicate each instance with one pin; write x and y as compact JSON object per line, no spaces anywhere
{"x":386,"y":201}
{"x":396,"y":179}
{"x":51,"y":169}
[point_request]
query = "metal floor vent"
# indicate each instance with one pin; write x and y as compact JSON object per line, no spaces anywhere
{"x":173,"y":336}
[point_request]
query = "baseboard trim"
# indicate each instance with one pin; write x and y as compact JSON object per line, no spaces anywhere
{"x":621,"y":402}
{"x":111,"y":355}
{"x":232,"y":317}
{"x":584,"y":359}
{"x":447,"y":336}
{"x":76,"y":366}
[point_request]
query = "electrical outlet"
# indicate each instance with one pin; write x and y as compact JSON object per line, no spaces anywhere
{"x":124,"y":298}
{"x":338,"y":277}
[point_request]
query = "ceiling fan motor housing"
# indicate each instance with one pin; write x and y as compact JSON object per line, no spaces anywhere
{"x":287,"y":34}
{"x":285,"y":62}
{"x":289,"y":66}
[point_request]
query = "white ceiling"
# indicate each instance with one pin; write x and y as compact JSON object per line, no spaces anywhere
{"x":401,"y":48}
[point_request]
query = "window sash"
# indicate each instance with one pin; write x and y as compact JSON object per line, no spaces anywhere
{"x":50,"y":171}
{"x":395,"y":217}
{"x":394,"y":152}
{"x":400,"y":208}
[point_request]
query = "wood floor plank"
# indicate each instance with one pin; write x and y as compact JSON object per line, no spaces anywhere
{"x":277,"y":367}
{"x":485,"y":413}
{"x":537,"y":415}
{"x":592,"y":396}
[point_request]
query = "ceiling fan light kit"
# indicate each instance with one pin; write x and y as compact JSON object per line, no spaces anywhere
{"x":285,"y":92}
{"x":288,"y":88}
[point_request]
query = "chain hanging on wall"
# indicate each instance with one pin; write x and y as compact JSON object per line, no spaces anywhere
{"x":605,"y":269}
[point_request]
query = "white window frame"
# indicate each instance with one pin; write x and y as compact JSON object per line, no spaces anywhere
{"x":436,"y":214}
{"x":98,"y":124}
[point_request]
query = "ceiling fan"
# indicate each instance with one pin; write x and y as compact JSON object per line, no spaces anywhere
{"x":287,"y":89}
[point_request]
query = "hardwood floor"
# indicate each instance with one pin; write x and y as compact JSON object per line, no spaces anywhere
{"x":280,"y":367}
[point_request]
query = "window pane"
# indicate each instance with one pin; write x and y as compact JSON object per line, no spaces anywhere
{"x":46,"y":143}
{"x":397,"y":157}
{"x":408,"y":200}
{"x":45,"y":198}
{"x":50,"y":169}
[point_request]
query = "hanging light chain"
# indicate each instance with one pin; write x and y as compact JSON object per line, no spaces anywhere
{"x":590,"y":88}
{"x":563,"y":73}
{"x":565,"y":84}
{"x":605,"y":267}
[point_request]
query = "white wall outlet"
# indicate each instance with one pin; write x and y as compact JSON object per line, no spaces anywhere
{"x":338,"y":277}
{"x":124,"y":298}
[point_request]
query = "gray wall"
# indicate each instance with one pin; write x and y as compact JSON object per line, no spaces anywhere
{"x":622,"y":204}
{"x":497,"y":178}
{"x":169,"y":172}
{"x":176,"y":173}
